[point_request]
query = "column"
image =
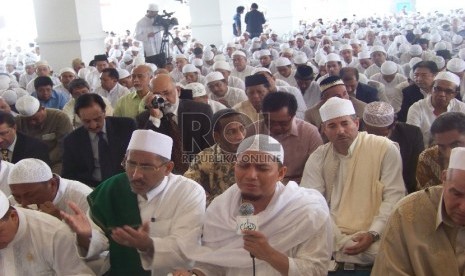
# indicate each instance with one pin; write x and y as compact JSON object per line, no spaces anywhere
{"x":68,"y":29}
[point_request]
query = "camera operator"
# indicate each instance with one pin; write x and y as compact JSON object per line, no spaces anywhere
{"x":149,"y":34}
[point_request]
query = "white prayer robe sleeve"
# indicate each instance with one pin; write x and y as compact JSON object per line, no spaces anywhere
{"x":189,"y":214}
{"x":394,"y":187}
{"x":414,"y":115}
{"x":98,"y":243}
{"x":312,"y":176}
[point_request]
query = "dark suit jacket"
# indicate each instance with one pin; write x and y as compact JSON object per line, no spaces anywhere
{"x":194,"y":121}
{"x":410,"y":140}
{"x":29,"y":147}
{"x":411,"y":94}
{"x":78,"y":159}
{"x":366,"y":93}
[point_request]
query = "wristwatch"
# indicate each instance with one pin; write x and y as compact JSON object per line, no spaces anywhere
{"x":374,"y":235}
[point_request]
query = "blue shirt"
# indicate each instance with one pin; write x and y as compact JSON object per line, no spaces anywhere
{"x":57,"y":100}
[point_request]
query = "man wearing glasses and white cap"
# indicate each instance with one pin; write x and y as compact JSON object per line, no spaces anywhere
{"x":140,"y":214}
{"x":34,"y":243}
{"x":425,"y":234}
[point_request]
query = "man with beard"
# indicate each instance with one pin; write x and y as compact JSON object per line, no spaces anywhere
{"x":442,"y":99}
{"x":139,"y":215}
{"x":294,"y":235}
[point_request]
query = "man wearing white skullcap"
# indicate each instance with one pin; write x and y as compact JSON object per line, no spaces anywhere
{"x":199,"y":94}
{"x":437,"y":227}
{"x":125,"y":79}
{"x":67,"y":74}
{"x":442,"y":99}
{"x":220,"y":91}
{"x":360,"y":176}
{"x":364,"y":60}
{"x":241,"y":68}
{"x":457,"y":66}
{"x":42,"y":70}
{"x":33,"y":185}
{"x":390,"y":78}
{"x":141,"y":214}
{"x":346,"y":52}
{"x":301,"y":47}
{"x":285,"y":71}
{"x":46,"y":124}
{"x":40,"y":238}
{"x":29,"y":73}
{"x":259,"y":170}
{"x":225,"y":68}
{"x":191,"y":75}
{"x":181,"y":61}
{"x":147,"y":33}
{"x":378,"y":56}
{"x":378,"y":118}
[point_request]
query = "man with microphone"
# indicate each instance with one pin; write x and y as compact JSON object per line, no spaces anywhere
{"x":292,"y":225}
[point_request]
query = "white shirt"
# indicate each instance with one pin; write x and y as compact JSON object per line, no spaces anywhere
{"x":244,"y":73}
{"x":291,"y":79}
{"x":71,"y":190}
{"x":236,"y":82}
{"x":373,"y":69}
{"x":301,"y":106}
{"x":233,"y":96}
{"x":216,"y":106}
{"x":151,"y":44}
{"x":93,"y":79}
{"x":24,"y":79}
{"x":114,"y":94}
{"x":173,"y":209}
{"x":177,"y":75}
{"x":43,"y":245}
{"x":5,"y":168}
{"x":312,"y":95}
{"x":421,"y":114}
{"x":390,"y":88}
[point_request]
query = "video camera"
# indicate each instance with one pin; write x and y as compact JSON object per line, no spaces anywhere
{"x":157,"y":102}
{"x":165,"y":20}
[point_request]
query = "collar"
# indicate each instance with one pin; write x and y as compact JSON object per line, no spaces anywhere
{"x":114,"y":89}
{"x":62,"y":186}
{"x":155,"y":191}
{"x":12,"y":146}
{"x":441,"y":216}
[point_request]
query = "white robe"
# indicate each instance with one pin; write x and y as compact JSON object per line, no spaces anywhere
{"x":43,"y":245}
{"x":151,"y":44}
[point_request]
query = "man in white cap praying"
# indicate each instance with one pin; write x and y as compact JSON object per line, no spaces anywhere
{"x":42,"y":70}
{"x":241,"y":68}
{"x":191,"y":74}
{"x":33,"y":185}
{"x":199,"y":94}
{"x":285,"y":71}
{"x":425,"y":233}
{"x":67,"y":75}
{"x":457,"y":66}
{"x":378,"y":56}
{"x":379,"y":119}
{"x":33,"y":243}
{"x":147,"y":33}
{"x":222,"y":92}
{"x":442,"y":99}
{"x":293,"y":236}
{"x":139,"y":215}
{"x":180,"y":61}
{"x":225,"y":68}
{"x":390,"y":78}
{"x":28,"y":74}
{"x":360,"y":175}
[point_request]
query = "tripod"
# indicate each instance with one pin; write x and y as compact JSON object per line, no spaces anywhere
{"x":165,"y":43}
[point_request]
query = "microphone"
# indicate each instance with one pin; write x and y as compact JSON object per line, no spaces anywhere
{"x":246,"y":220}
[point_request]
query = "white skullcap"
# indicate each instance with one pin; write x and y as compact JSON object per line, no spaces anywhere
{"x":333,"y":57}
{"x":4,"y":204}
{"x":287,"y":50}
{"x":10,"y":61}
{"x":231,"y":45}
{"x":282,"y":61}
{"x":4,"y":82}
{"x":10,"y":97}
{"x":42,"y":63}
{"x":415,"y":50}
{"x":388,"y":68}
{"x":67,"y":70}
{"x":213,"y":76}
{"x":27,"y":106}
{"x":223,"y":65}
{"x":336,"y":107}
{"x":345,"y":47}
{"x":457,"y":159}
{"x":180,"y":56}
{"x":457,"y":39}
{"x":378,"y":114}
{"x":414,"y":61}
{"x":448,"y":76}
{"x":123,"y":73}
{"x":377,"y":48}
{"x":238,"y":53}
{"x":127,"y":57}
{"x":264,"y":52}
{"x":197,"y":88}
{"x":354,"y":41}
{"x":440,"y":62}
{"x":138,"y":61}
{"x":151,"y":141}
{"x":197,"y":62}
{"x":456,"y":65}
{"x":189,"y":68}
{"x":300,"y":59}
{"x":208,"y":55}
{"x":262,"y":143}
{"x":440,"y":46}
{"x":261,"y":69}
{"x":29,"y":62}
{"x":435,"y":37}
{"x":152,"y":66}
{"x":219,"y":57}
{"x":29,"y":170}
{"x":152,"y":7}
{"x":461,"y":53}
{"x":364,"y":55}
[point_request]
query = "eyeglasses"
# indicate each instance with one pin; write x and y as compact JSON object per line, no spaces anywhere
{"x":130,"y":166}
{"x":439,"y":89}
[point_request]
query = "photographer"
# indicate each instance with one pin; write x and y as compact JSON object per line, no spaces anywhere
{"x":149,"y":34}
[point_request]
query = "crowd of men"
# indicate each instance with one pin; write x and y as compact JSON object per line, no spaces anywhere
{"x":346,"y":138}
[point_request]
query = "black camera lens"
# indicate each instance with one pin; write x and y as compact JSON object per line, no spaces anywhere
{"x":157,"y":102}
